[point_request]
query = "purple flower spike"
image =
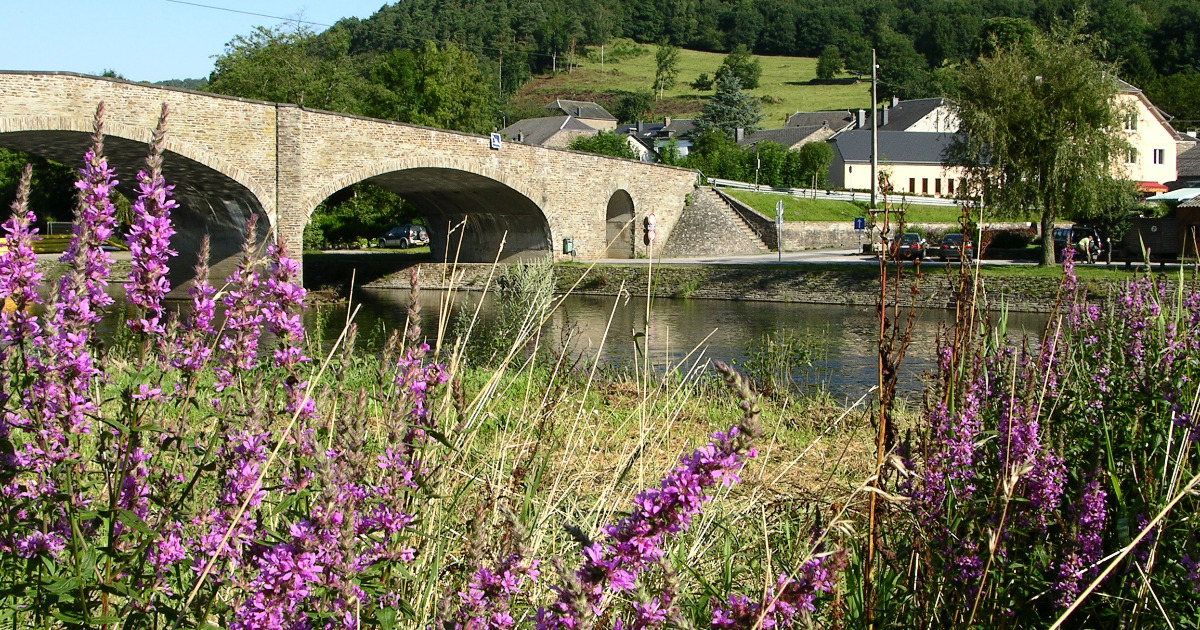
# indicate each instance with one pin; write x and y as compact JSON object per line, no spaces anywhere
{"x":19,"y":278}
{"x":635,"y":543}
{"x":191,"y":346}
{"x":149,"y":238}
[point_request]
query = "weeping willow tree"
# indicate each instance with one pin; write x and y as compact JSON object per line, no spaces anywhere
{"x":1041,"y":130}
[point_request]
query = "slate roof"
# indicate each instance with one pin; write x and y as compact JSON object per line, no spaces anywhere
{"x":1188,"y":163}
{"x":535,"y":131}
{"x":652,"y":130}
{"x":836,"y":119}
{"x":905,"y":114}
{"x":580,"y":109}
{"x":899,"y":147}
{"x":787,"y":136}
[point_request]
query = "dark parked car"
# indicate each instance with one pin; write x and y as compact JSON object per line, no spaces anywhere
{"x":910,"y":247}
{"x":955,"y":247}
{"x":1070,"y":237}
{"x":405,"y":236}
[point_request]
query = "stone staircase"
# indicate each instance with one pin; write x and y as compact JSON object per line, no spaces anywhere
{"x":713,"y":225}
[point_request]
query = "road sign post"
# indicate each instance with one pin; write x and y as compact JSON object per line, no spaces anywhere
{"x":860,"y":224}
{"x":779,"y":228}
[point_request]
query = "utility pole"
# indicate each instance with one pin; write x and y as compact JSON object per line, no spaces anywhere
{"x":874,"y":133}
{"x":500,"y":91}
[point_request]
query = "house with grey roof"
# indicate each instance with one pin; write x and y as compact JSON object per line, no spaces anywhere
{"x":591,"y":114}
{"x":922,"y":114}
{"x":550,"y":131}
{"x":837,"y":120}
{"x":789,"y":137}
{"x":913,"y":160}
{"x":649,"y":138}
{"x":1187,"y":166}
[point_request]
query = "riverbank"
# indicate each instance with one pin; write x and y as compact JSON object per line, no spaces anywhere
{"x":1017,"y":288}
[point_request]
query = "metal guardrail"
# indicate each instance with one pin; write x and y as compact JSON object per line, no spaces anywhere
{"x":835,"y":195}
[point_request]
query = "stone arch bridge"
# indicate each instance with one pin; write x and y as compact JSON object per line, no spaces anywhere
{"x":230,"y":158}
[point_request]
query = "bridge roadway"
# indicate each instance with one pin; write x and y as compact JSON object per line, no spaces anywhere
{"x":230,"y":158}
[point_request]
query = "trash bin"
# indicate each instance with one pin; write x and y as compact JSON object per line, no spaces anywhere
{"x":568,"y":245}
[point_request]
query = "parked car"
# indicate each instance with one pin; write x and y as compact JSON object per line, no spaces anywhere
{"x":1070,"y":237}
{"x":910,"y":246}
{"x":955,"y":247}
{"x":405,"y":236}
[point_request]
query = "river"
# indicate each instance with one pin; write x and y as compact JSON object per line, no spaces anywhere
{"x":683,"y":330}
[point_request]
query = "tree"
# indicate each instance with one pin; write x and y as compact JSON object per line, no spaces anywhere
{"x":813,"y":160}
{"x":717,"y":155}
{"x":290,"y":66}
{"x":703,"y":83}
{"x":741,"y":64}
{"x":1040,"y":129}
{"x":438,"y":87}
{"x":633,"y":106}
{"x":607,"y":143}
{"x":730,"y":108}
{"x":666,"y":70}
{"x":829,"y":64}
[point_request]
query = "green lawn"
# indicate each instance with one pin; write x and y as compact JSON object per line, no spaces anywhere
{"x":785,"y":82}
{"x":798,"y":209}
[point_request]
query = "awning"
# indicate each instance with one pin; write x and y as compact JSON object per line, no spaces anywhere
{"x":1153,"y":188}
{"x":1179,"y":194}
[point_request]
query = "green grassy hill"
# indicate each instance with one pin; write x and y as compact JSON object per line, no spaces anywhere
{"x":788,"y":84}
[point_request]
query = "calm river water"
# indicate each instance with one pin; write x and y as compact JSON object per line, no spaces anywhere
{"x":718,"y":329}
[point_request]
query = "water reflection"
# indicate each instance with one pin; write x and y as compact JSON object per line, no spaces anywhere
{"x":718,"y":329}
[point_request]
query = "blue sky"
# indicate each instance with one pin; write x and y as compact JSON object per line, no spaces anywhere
{"x":145,"y":40}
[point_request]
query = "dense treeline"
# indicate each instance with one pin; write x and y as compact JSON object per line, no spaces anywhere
{"x":1156,"y":43}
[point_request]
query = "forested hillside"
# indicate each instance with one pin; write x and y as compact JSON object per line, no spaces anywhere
{"x":1155,"y":42}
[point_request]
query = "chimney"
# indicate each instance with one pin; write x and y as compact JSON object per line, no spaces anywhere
{"x":640,"y":127}
{"x":666,"y":121}
{"x":739,"y":135}
{"x":895,"y":100}
{"x":886,"y":109}
{"x":862,"y":118}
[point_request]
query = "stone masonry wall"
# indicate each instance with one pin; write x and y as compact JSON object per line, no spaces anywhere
{"x":769,"y":284}
{"x":709,"y":228}
{"x":232,"y":136}
{"x":571,"y":188}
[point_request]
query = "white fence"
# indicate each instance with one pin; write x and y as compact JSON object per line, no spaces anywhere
{"x":836,"y":195}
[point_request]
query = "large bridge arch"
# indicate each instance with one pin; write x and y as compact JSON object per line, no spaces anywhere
{"x":215,"y":198}
{"x":491,"y":207}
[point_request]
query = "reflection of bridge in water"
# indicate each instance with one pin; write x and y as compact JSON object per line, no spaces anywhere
{"x":230,"y":158}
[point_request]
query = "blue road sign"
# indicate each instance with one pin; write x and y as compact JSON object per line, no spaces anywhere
{"x":860,"y":223}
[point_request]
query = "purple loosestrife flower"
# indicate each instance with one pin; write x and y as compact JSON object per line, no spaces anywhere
{"x":484,"y":605}
{"x":243,"y":315}
{"x":19,"y":278}
{"x":1088,"y":515}
{"x":95,"y":220}
{"x":191,"y":351}
{"x":793,"y":598}
{"x":282,"y":300}
{"x":149,"y":239}
{"x":635,"y":542}
{"x":414,"y":377}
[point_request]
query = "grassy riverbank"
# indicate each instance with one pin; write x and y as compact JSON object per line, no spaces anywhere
{"x":801,"y":209}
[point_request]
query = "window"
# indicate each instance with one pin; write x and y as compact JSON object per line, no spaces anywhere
{"x":1131,"y":156}
{"x":937,"y":186}
{"x":1131,"y":122}
{"x":912,"y":184}
{"x":950,"y":185}
{"x":1160,"y":156}
{"x":924,"y":185}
